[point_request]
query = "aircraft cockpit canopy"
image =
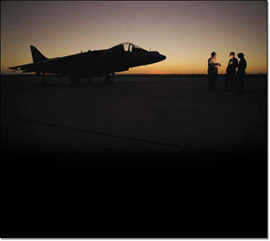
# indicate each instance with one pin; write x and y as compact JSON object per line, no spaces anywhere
{"x":129,"y":47}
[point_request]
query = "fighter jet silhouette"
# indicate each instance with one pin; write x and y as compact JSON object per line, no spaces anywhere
{"x":89,"y":64}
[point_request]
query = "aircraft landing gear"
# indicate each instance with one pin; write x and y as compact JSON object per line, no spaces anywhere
{"x":109,"y":79}
{"x":75,"y":81}
{"x":44,"y":81}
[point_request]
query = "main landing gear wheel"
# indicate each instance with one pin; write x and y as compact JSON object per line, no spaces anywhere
{"x":109,"y":79}
{"x":44,"y":81}
{"x":75,"y":81}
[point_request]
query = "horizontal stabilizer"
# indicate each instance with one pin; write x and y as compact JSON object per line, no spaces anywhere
{"x":28,"y":71}
{"x":15,"y":68}
{"x":22,"y":67}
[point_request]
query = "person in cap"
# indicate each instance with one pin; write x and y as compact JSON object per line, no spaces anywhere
{"x":212,"y":71}
{"x":229,"y":81}
{"x":241,"y":72}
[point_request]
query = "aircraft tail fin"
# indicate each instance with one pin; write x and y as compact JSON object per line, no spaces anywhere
{"x":37,"y":56}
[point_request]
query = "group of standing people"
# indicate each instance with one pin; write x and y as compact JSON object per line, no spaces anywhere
{"x":234,"y":79}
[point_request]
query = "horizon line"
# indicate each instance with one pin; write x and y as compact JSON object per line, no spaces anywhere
{"x":131,"y":74}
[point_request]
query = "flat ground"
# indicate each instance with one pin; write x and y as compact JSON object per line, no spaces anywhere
{"x":175,"y":117}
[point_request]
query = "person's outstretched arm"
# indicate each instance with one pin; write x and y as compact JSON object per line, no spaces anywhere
{"x":213,"y":63}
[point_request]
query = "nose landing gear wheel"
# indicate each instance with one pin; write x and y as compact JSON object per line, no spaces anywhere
{"x":109,"y":79}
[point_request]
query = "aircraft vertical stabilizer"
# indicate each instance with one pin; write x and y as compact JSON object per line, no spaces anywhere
{"x":37,"y":56}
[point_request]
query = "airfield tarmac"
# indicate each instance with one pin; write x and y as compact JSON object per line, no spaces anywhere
{"x":142,"y":117}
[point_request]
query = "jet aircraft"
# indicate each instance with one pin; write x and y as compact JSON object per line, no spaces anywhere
{"x":97,"y":63}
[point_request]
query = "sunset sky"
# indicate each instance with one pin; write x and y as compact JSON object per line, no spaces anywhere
{"x":186,"y":32}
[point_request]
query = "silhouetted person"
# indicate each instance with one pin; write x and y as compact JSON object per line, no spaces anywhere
{"x":212,"y":71}
{"x":241,"y":72}
{"x":229,"y":81}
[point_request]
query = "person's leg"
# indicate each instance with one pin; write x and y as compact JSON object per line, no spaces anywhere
{"x":241,"y":87}
{"x":226,"y":82}
{"x":210,"y":81}
{"x":214,"y":80}
{"x":237,"y":83}
{"x":243,"y":84}
{"x":232,"y":82}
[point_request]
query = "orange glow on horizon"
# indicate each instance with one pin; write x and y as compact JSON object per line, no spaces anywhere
{"x":185,"y":33}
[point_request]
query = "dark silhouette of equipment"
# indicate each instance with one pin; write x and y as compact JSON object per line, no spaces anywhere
{"x":91,"y":64}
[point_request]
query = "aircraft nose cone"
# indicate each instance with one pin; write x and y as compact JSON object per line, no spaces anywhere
{"x":163,"y":57}
{"x":155,"y":57}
